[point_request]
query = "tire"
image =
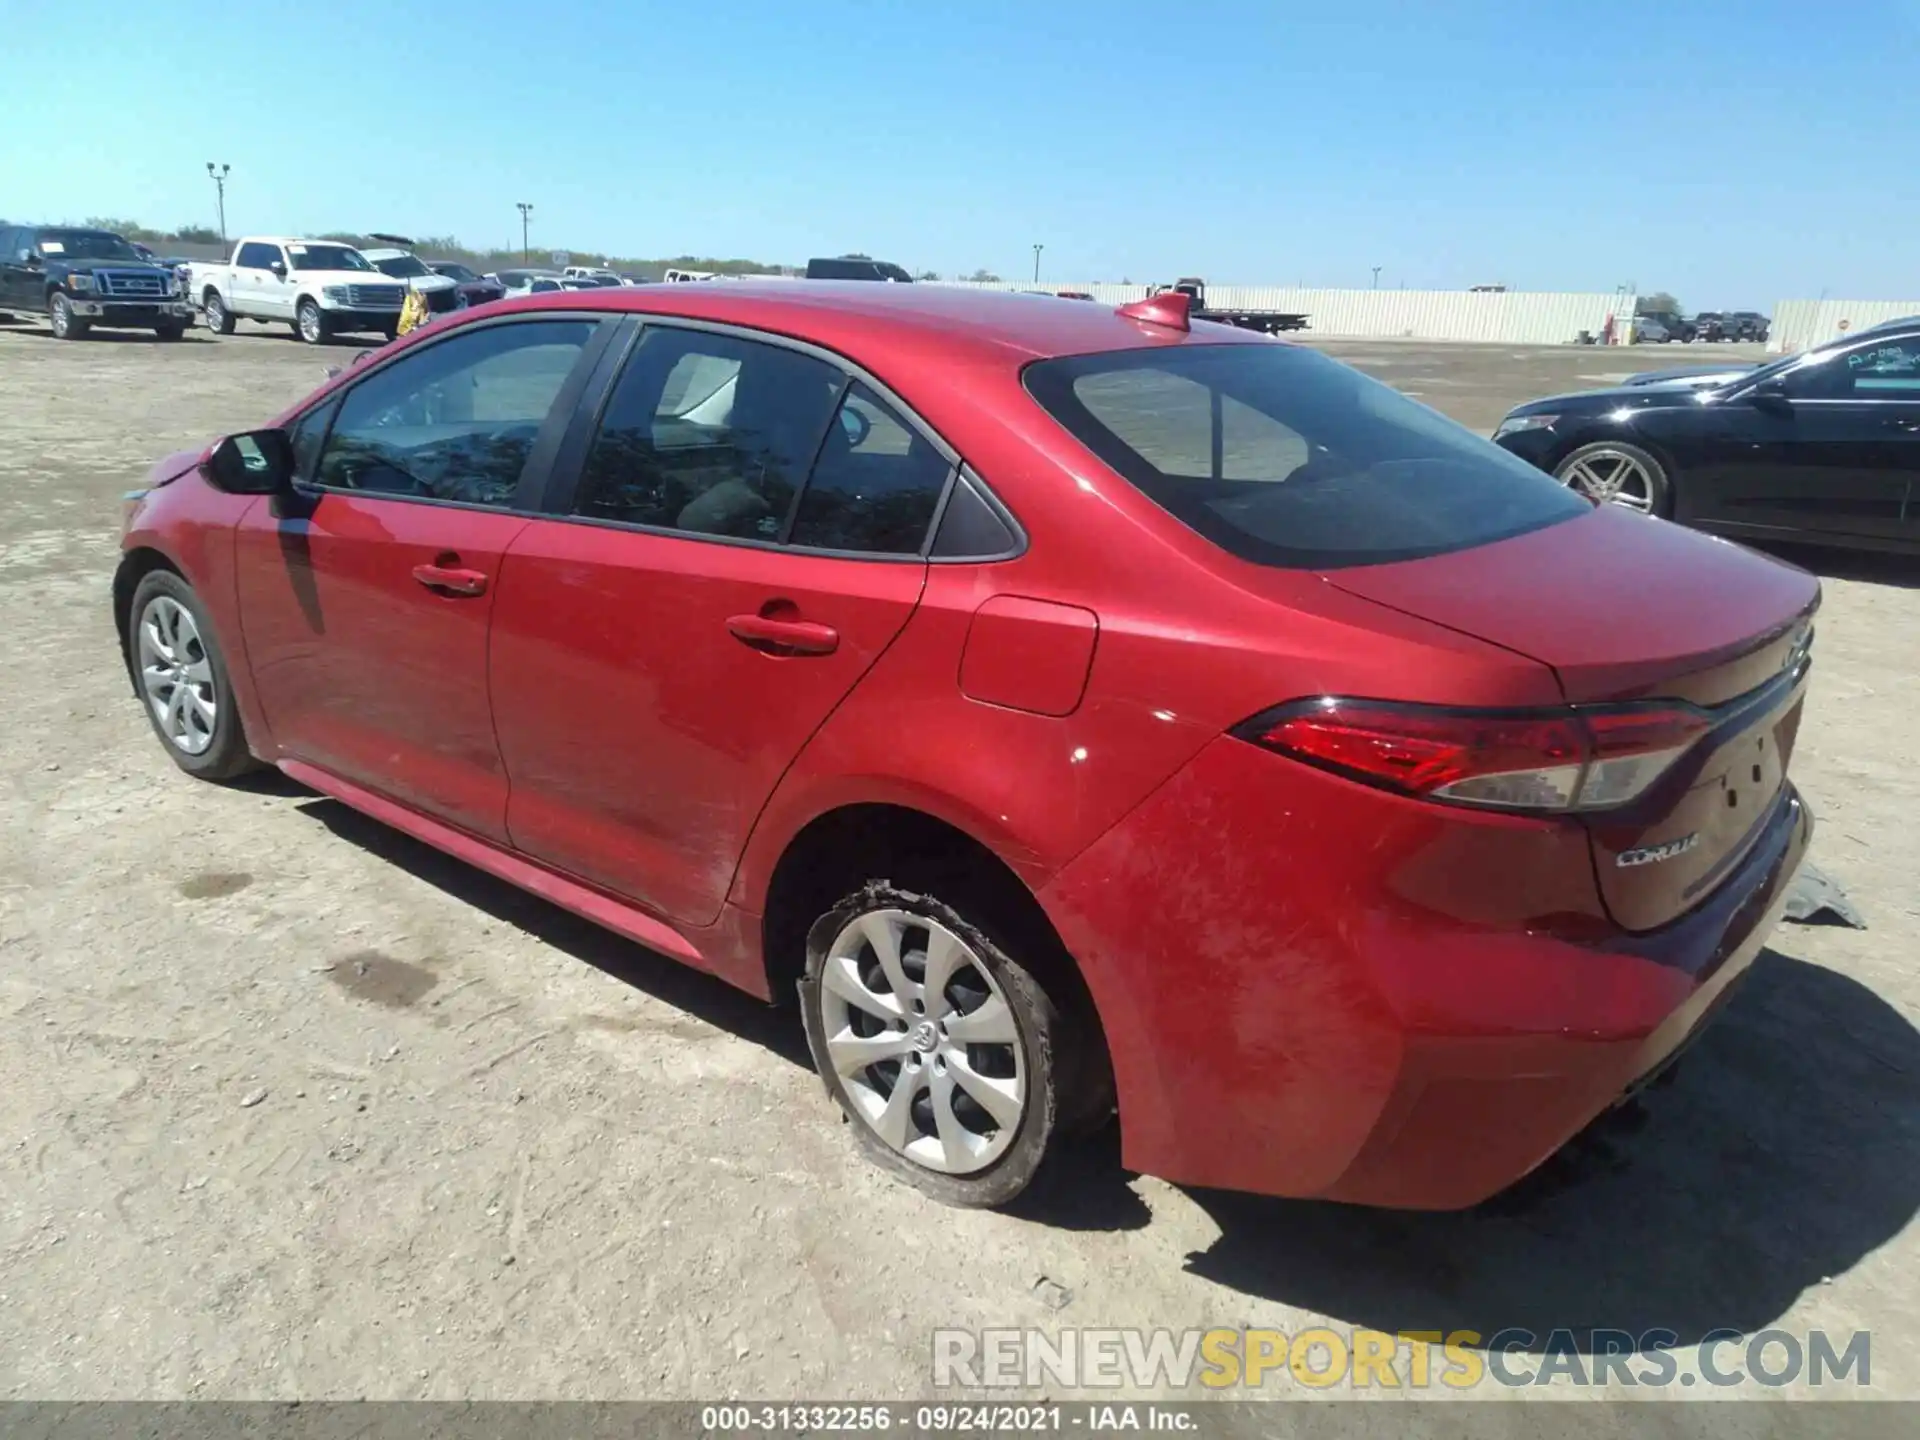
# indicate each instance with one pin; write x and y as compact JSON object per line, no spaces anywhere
{"x":219,"y":318}
{"x":173,"y":331}
{"x":66,"y":324}
{"x":943,"y":1140}
{"x":311,"y":323}
{"x":1622,"y":474}
{"x":187,"y":649}
{"x":392,"y":332}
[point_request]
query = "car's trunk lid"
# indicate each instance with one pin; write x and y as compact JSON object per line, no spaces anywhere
{"x":1624,"y":609}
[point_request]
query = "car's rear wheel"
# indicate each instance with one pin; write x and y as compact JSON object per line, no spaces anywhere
{"x":182,"y":679}
{"x":1612,"y":472}
{"x":944,"y":1051}
{"x":311,"y":324}
{"x":66,"y":324}
{"x":219,"y":318}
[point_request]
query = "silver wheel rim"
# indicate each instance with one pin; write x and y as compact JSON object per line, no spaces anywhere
{"x":61,"y":315}
{"x":216,"y":312}
{"x":309,"y":324}
{"x":923,"y":1044}
{"x":176,"y":675}
{"x":1611,"y":477}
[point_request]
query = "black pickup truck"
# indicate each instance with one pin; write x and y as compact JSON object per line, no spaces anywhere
{"x":80,"y":278}
{"x":1267,"y":322}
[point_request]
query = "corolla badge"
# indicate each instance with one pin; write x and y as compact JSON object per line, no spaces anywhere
{"x":1654,"y":854}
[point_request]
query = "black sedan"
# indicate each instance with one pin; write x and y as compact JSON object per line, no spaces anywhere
{"x":473,"y":289}
{"x":1821,"y":447}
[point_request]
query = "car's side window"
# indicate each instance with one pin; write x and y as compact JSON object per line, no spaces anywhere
{"x":876,"y":484}
{"x":254,"y":256}
{"x":1889,"y":370}
{"x":1886,"y":372}
{"x":307,"y":436}
{"x":709,"y":434}
{"x":456,"y":420}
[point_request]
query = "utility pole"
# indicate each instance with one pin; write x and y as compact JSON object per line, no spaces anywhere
{"x":219,"y":178}
{"x":1376,"y":277}
{"x":1036,"y":263}
{"x":525,"y":211}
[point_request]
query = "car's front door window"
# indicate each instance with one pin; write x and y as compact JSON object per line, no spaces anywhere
{"x":1882,"y":370}
{"x":457,"y":420}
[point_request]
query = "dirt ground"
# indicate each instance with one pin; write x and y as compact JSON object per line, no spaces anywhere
{"x":293,"y":1107}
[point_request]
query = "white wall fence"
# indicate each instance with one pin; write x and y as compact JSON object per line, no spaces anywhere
{"x":1802,"y":324}
{"x":1517,"y":317}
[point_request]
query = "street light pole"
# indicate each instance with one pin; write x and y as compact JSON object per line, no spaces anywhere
{"x":1036,"y":263}
{"x":525,"y":211}
{"x":1376,"y":277}
{"x":219,"y":178}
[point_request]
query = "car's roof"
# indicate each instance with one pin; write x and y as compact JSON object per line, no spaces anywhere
{"x":384,"y":253}
{"x":845,"y":314}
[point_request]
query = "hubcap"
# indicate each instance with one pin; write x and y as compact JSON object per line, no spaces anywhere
{"x":922,"y":1041}
{"x":216,"y":312}
{"x":61,"y":315}
{"x":309,"y":323}
{"x":1611,"y":477}
{"x":176,"y":675}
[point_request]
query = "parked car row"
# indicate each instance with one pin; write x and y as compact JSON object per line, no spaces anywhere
{"x":1659,"y":327}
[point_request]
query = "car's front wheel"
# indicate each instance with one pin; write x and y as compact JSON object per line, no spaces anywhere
{"x":182,"y":679}
{"x":311,"y":323}
{"x":173,"y":330}
{"x":219,"y":318}
{"x":947,"y":1055}
{"x":1612,"y":472}
{"x":66,"y":324}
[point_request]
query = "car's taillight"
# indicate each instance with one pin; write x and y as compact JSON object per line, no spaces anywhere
{"x":1589,"y":758}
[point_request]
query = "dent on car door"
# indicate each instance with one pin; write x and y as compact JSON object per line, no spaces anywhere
{"x":367,"y":615}
{"x":664,"y":649}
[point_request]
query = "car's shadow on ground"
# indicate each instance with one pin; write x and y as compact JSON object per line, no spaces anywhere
{"x":666,"y":979}
{"x":1869,"y":566}
{"x":1786,"y":1150}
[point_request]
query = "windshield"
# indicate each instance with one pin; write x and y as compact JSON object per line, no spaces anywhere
{"x":405,"y":267}
{"x":456,"y":272}
{"x":1284,"y":457}
{"x":328,"y":257}
{"x":86,"y":245}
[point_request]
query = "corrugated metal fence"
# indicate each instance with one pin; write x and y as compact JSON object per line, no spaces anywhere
{"x":1513,"y":316}
{"x":1802,"y":324}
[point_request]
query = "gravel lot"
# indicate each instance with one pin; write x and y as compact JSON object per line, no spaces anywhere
{"x":293,"y":1107}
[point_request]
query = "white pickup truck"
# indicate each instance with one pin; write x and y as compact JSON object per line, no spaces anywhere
{"x":320,"y":287}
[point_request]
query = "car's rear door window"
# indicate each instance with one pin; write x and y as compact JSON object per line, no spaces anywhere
{"x":1282,"y":456}
{"x":708,"y":433}
{"x":876,"y":485}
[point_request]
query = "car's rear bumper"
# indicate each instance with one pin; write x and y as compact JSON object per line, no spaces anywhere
{"x":1317,"y":996}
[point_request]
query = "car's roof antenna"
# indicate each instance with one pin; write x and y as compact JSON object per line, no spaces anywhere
{"x":1168,"y":308}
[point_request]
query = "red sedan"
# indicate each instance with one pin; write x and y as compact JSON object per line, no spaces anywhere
{"x":1079,"y":709}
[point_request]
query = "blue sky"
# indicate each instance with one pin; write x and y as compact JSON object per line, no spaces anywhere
{"x":1731,"y":153}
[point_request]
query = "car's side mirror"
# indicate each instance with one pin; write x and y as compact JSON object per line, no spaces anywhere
{"x":259,"y":462}
{"x":1771,"y":395}
{"x":31,"y":260}
{"x":279,"y":267}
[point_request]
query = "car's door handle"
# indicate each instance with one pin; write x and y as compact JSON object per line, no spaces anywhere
{"x":796,"y":637}
{"x":451,"y":579}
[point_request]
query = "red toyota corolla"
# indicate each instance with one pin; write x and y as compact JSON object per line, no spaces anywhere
{"x":1080,"y":708}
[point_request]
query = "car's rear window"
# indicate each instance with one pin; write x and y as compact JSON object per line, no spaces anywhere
{"x":1282,"y":456}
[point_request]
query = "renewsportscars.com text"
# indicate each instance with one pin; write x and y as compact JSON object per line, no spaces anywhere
{"x":1322,"y":1357}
